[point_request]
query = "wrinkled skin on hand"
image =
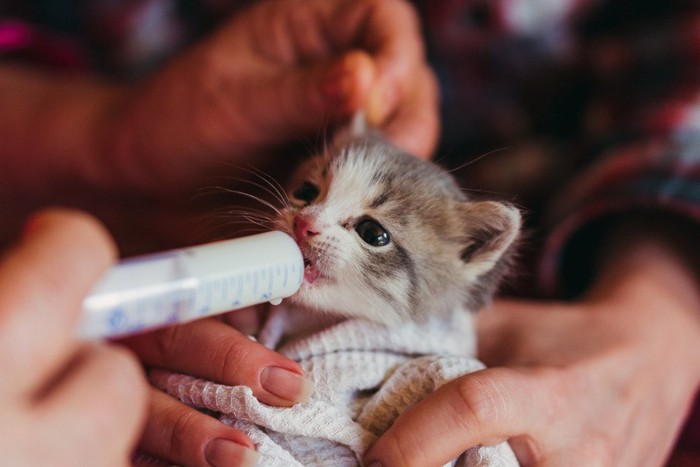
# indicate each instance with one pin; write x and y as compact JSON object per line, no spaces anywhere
{"x":573,"y":383}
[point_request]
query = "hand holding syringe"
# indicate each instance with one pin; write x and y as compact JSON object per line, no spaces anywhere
{"x":182,"y":285}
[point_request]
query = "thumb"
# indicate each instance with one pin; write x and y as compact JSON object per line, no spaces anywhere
{"x":485,"y":407}
{"x":348,"y":83}
{"x":304,"y":99}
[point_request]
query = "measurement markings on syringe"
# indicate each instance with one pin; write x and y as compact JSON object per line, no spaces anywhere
{"x":143,"y":311}
{"x":184,"y":284}
{"x":270,"y":283}
{"x":203,"y":298}
{"x":239,"y":290}
{"x":282,"y":271}
{"x":211,"y":293}
{"x":224,"y":290}
{"x":263,"y":275}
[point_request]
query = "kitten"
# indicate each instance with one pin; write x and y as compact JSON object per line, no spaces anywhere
{"x":389,"y":237}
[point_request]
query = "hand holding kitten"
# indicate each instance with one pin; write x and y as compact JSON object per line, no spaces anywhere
{"x":600,"y":381}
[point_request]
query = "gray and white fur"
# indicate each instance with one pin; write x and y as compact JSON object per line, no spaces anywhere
{"x":390,"y":237}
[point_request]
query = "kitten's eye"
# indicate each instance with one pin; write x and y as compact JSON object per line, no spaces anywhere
{"x":372,"y":233}
{"x":307,"y":192}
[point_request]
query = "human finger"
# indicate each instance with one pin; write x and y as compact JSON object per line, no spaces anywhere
{"x":350,"y":55}
{"x":486,"y":407}
{"x":181,"y":434}
{"x":328,"y":93}
{"x":245,"y":320}
{"x":303,"y":31}
{"x":98,"y":405}
{"x":213,"y":350}
{"x":403,"y":97}
{"x":43,"y":281}
{"x":313,"y":96}
{"x":415,"y":124}
{"x":389,"y":30}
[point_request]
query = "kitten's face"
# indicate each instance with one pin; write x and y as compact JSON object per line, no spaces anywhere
{"x":388,"y":237}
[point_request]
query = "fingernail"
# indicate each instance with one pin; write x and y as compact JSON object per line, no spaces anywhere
{"x":224,"y":452}
{"x":381,"y":103}
{"x":286,"y":384}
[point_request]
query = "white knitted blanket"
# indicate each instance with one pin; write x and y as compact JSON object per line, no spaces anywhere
{"x":365,"y":376}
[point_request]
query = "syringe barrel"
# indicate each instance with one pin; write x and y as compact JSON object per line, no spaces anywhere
{"x":181,"y":285}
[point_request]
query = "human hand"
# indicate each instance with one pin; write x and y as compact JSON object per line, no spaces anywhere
{"x":276,"y":73}
{"x":606,"y":381}
{"x":213,"y":350}
{"x":65,"y":403}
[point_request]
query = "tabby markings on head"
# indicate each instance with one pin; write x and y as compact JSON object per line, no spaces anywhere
{"x":389,"y":237}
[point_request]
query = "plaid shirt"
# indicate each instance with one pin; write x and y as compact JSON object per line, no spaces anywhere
{"x":597,"y":102}
{"x":594,"y":105}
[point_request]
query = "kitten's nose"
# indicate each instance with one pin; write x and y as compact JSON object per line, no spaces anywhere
{"x":304,"y":228}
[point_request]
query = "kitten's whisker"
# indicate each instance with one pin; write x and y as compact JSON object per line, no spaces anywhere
{"x":246,"y":212}
{"x":275,"y":189}
{"x":270,"y":191}
{"x":247,"y":221}
{"x":229,"y":213}
{"x":249,"y":226}
{"x":243,"y":220}
{"x":273,"y":184}
{"x":488,"y":192}
{"x":247,"y":218}
{"x":243,"y":232}
{"x":253,"y":197}
{"x":477,"y":159}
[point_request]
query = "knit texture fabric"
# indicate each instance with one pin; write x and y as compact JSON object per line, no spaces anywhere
{"x":365,"y":376}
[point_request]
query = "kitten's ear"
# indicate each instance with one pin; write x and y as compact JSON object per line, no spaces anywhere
{"x":490,"y":229}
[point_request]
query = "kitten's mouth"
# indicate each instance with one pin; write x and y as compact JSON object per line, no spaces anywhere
{"x":311,"y":273}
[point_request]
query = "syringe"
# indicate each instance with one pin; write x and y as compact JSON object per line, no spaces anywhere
{"x":182,"y":285}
